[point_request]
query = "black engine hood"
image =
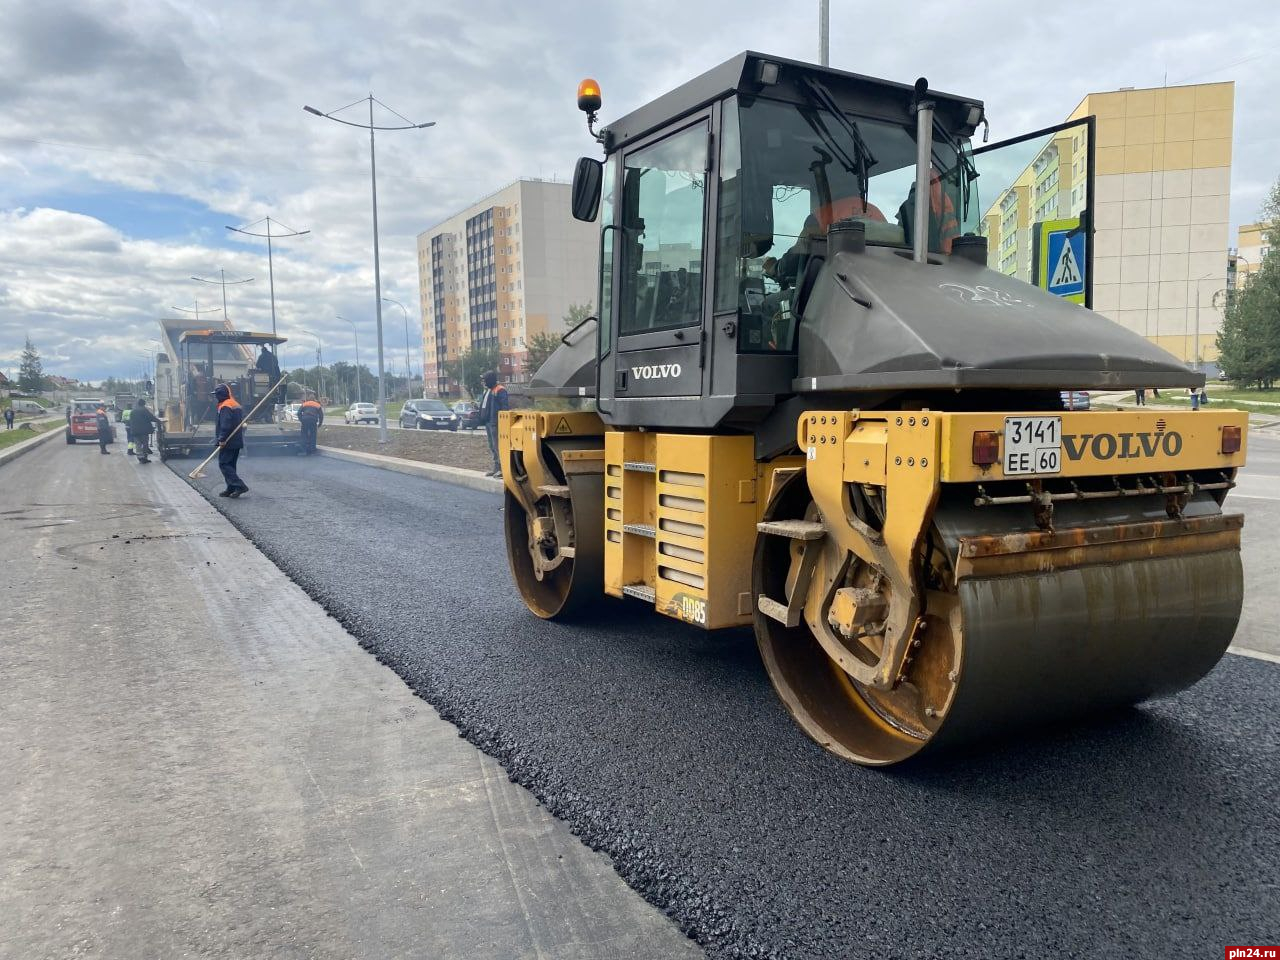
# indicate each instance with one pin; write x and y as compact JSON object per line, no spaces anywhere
{"x":877,"y":320}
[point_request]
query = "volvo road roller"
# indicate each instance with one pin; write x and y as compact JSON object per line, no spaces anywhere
{"x":821,"y":405}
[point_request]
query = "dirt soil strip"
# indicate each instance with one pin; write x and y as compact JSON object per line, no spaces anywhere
{"x":428,"y":446}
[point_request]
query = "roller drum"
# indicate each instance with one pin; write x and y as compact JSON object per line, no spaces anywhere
{"x":1038,"y":648}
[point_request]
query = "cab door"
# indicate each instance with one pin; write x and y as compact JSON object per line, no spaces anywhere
{"x":660,"y":284}
{"x":1038,"y":208}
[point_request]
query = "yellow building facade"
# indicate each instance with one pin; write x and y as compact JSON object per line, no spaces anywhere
{"x":1252,"y":244}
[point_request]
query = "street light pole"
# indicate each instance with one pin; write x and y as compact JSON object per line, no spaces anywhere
{"x":224,"y":283}
{"x":1207,"y":276}
{"x":377,"y":260}
{"x":356,"y":333}
{"x":824,"y":32}
{"x":271,"y":272}
{"x":319,"y":364}
{"x":408,"y":368}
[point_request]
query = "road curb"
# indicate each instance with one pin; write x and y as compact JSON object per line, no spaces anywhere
{"x":18,"y":449}
{"x":472,"y":479}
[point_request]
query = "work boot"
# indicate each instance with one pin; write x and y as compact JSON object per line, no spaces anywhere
{"x":224,"y":493}
{"x":238,"y":492}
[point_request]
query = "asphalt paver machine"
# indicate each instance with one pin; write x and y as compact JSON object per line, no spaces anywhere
{"x":826,"y":409}
{"x":207,"y":358}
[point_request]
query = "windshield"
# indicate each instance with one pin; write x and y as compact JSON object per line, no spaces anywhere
{"x":431,"y":406}
{"x":788,"y":172}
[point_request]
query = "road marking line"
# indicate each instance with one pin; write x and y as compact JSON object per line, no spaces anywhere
{"x":1251,"y":496}
{"x":1256,"y":654}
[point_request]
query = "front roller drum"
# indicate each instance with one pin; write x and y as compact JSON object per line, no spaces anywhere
{"x":556,"y":551}
{"x":996,"y":654}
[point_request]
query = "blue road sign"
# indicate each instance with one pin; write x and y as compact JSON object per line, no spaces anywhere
{"x":1065,"y":263}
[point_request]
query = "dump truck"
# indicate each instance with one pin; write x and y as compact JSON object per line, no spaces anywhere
{"x":819,"y":405}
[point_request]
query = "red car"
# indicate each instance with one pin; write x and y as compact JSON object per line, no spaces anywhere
{"x":84,"y":426}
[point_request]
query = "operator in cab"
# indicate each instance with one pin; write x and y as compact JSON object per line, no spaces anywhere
{"x":310,"y":417}
{"x":268,"y":364}
{"x":230,"y":439}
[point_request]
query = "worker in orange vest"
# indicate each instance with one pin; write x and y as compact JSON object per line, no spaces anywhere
{"x":230,"y":440}
{"x":310,"y":416}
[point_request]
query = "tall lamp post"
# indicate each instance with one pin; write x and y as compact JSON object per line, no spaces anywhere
{"x":356,"y":333}
{"x":271,"y":272}
{"x":377,"y":263}
{"x":1207,"y":276}
{"x":224,"y":283}
{"x":196,"y":309}
{"x":319,"y":364}
{"x":408,"y":369}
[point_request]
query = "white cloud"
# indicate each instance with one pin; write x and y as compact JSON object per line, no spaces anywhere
{"x":203,"y":102}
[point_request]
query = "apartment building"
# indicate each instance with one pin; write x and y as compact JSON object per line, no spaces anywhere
{"x":1252,"y":245}
{"x":503,"y":270}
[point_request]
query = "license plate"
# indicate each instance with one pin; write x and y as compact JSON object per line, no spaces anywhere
{"x":1032,"y":445}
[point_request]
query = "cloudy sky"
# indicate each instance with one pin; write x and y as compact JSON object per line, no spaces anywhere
{"x":134,"y":131}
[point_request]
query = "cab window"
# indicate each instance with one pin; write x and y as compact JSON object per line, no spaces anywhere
{"x":662,"y":227}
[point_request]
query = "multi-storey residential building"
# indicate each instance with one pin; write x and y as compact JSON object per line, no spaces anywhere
{"x":1162,"y":178}
{"x":500,"y":272}
{"x":1252,"y":244}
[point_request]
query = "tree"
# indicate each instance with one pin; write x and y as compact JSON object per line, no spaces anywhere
{"x":542,"y":345}
{"x":576,"y":314}
{"x":469,"y":367}
{"x":1249,"y":342}
{"x":30,"y":370}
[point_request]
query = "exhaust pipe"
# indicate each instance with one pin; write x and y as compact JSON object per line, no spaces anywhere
{"x":923,"y":110}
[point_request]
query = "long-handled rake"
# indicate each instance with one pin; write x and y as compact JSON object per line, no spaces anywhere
{"x":198,"y":473}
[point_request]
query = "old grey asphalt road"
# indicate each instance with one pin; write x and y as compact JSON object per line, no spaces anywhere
{"x":195,"y":761}
{"x":1258,"y":498}
{"x":1154,"y":832}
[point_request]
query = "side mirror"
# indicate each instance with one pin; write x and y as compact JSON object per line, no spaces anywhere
{"x":588,"y":176}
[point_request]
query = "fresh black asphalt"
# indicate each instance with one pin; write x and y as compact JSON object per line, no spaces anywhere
{"x":1151,"y":833}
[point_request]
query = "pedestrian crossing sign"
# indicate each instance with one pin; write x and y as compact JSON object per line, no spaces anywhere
{"x":1061,"y":261}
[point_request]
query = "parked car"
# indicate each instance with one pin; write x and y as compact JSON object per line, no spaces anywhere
{"x":1075,"y":400}
{"x":468,"y":412}
{"x":84,"y":426}
{"x":428,"y":415}
{"x":361,"y":413}
{"x":290,"y":411}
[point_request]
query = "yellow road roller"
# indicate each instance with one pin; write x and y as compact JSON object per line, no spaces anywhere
{"x":820,"y":401}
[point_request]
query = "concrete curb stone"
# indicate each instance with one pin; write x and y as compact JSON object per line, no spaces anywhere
{"x":18,"y":449}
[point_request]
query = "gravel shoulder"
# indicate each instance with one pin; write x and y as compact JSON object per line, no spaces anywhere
{"x":444,"y":447}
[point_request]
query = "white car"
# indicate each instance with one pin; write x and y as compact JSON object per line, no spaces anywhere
{"x":291,"y":411}
{"x":361,"y":413}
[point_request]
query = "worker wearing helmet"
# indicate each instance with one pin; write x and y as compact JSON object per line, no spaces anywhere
{"x":310,"y":416}
{"x":230,"y":439}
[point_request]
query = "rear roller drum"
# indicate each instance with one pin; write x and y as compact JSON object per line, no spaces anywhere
{"x":556,"y":549}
